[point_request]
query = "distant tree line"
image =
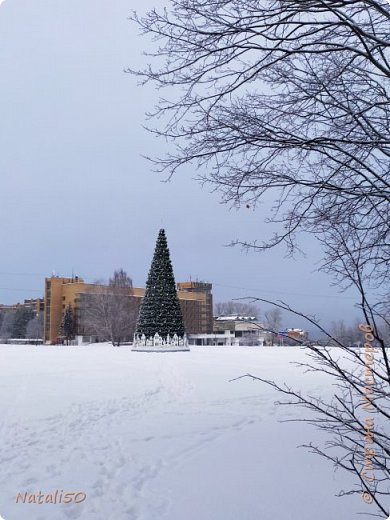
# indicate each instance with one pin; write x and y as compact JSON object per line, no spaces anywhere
{"x":235,"y":308}
{"x":346,"y":333}
{"x":351,"y":335}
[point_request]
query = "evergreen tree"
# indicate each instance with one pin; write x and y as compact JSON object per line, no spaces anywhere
{"x":7,"y":324}
{"x":22,"y":317}
{"x":68,"y":325}
{"x":160,"y":309}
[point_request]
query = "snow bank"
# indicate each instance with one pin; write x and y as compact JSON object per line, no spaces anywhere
{"x":151,"y":437}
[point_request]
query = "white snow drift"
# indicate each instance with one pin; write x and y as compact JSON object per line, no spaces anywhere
{"x":160,"y":436}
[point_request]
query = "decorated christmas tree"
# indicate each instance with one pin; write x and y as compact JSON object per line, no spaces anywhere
{"x":160,"y":310}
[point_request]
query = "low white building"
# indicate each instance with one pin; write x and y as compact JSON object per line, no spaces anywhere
{"x":233,"y":330}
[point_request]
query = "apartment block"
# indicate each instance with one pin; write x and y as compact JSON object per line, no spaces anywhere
{"x":195,"y":299}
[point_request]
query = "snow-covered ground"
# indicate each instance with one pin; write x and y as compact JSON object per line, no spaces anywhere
{"x":160,"y":436}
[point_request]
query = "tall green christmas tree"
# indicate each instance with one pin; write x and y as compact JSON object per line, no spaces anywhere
{"x":160,"y":309}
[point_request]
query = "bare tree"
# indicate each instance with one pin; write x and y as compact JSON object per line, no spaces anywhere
{"x":234,"y":308}
{"x":34,"y":328}
{"x":357,"y":417}
{"x":287,"y":98}
{"x":346,"y":334}
{"x":110,"y":312}
{"x":291,"y":99}
{"x":273,"y":319}
{"x":340,"y":332}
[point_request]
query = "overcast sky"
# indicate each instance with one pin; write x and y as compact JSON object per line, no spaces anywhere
{"x":76,"y":194}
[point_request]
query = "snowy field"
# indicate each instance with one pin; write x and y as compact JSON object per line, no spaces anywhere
{"x":160,"y":436}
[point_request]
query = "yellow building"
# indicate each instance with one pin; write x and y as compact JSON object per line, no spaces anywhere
{"x":196,"y":302}
{"x":195,"y":298}
{"x":35,"y":304}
